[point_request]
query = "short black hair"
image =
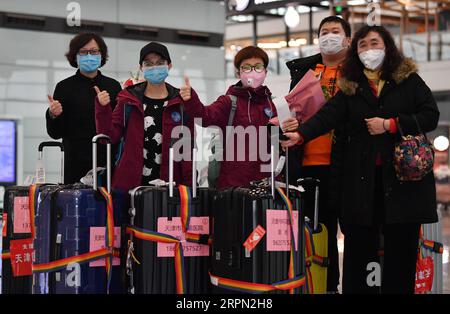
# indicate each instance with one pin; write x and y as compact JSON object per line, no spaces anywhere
{"x":336,"y":19}
{"x":79,"y":41}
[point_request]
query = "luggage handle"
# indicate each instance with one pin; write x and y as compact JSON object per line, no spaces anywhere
{"x":194,"y":170}
{"x":53,"y":144}
{"x":273,"y":167}
{"x":95,"y":141}
{"x":315,"y":183}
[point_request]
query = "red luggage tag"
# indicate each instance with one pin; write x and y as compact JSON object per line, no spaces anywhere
{"x":254,"y":238}
{"x":424,"y":274}
{"x":22,"y":257}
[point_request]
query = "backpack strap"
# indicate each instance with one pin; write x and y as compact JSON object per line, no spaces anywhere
{"x":126,"y":117}
{"x":233,"y":99}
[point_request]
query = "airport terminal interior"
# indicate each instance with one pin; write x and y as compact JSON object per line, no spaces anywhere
{"x":203,"y":38}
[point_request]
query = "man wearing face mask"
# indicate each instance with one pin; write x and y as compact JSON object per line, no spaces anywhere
{"x":71,"y":108}
{"x":320,"y":158}
{"x":143,"y":119}
{"x":254,"y":107}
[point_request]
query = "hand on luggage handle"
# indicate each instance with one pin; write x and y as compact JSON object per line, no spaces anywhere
{"x":95,"y":141}
{"x":315,"y":183}
{"x":53,"y":144}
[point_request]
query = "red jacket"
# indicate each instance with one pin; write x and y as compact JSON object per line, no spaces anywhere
{"x":128,"y":172}
{"x":254,"y":107}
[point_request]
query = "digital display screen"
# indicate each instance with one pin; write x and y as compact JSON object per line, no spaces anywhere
{"x":8,"y":157}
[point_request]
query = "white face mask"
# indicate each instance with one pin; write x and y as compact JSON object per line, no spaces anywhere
{"x":331,"y":44}
{"x":372,"y":59}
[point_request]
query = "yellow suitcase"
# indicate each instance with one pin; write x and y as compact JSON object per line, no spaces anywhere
{"x":316,"y":246}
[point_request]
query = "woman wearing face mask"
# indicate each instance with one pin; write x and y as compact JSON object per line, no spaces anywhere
{"x":254,"y":108}
{"x":144,"y":118}
{"x":71,"y":112}
{"x":379,"y":90}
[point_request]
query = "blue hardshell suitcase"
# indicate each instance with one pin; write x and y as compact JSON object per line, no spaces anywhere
{"x":70,"y":221}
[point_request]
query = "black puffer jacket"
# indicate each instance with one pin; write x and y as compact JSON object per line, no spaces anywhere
{"x":403,"y":96}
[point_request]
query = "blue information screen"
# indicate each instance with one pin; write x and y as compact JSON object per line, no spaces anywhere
{"x":7,"y":151}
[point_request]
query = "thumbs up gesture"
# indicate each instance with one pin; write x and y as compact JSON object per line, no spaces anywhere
{"x":185,"y":90}
{"x":55,"y":107}
{"x":103,"y":96}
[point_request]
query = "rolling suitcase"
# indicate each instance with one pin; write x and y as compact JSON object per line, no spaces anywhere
{"x":76,"y":228}
{"x":316,"y":244}
{"x":17,"y":229}
{"x":252,"y":251}
{"x":161,"y":216}
{"x":43,"y":197}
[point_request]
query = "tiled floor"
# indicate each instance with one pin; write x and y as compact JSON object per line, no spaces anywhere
{"x":445,"y":220}
{"x":445,"y":258}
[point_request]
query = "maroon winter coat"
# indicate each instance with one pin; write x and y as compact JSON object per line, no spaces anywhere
{"x":254,"y":108}
{"x":128,"y":172}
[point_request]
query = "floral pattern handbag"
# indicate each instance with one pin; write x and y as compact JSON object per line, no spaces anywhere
{"x":413,"y":155}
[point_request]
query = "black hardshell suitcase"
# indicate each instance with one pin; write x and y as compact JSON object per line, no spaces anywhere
{"x":237,"y":212}
{"x":152,"y":274}
{"x":21,"y":284}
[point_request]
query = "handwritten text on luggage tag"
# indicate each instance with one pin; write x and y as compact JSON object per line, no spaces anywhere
{"x":22,"y":257}
{"x":198,"y":225}
{"x":279,"y":231}
{"x":97,"y":242}
{"x":21,"y":219}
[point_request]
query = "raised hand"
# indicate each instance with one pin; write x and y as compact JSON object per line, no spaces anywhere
{"x":103,"y":96}
{"x":55,"y":106}
{"x":185,"y":90}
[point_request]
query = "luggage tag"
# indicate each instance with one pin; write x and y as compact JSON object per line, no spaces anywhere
{"x":293,"y":187}
{"x":40,"y":172}
{"x":159,"y":183}
{"x":253,"y":240}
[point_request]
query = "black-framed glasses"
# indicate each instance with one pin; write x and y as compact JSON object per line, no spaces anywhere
{"x":246,"y":68}
{"x":147,"y":64}
{"x":84,"y":52}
